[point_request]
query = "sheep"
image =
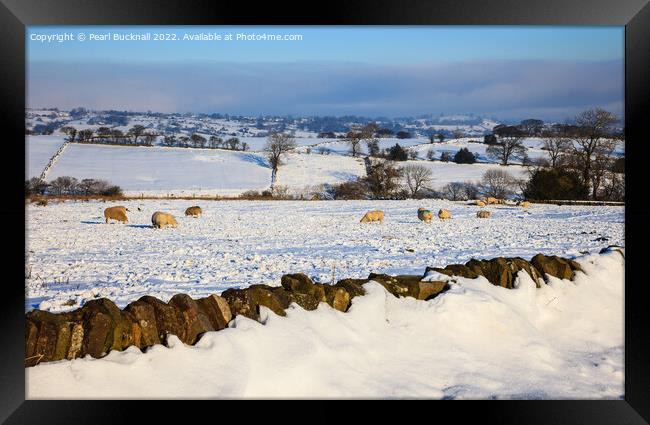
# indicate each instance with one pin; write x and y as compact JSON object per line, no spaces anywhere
{"x":483,"y":214}
{"x":524,"y":204}
{"x":371,"y":216}
{"x":444,"y":214}
{"x":490,"y":201}
{"x":480,"y":203}
{"x":117,"y":213}
{"x":160,"y":219}
{"x":194,"y":211}
{"x":425,"y":215}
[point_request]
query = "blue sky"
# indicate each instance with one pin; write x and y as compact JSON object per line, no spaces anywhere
{"x":506,"y":72}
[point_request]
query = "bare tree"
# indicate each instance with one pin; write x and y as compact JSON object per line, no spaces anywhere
{"x":370,"y":130}
{"x":357,"y":134}
{"x":601,"y":168}
{"x":64,"y":185}
{"x":277,"y":145}
{"x":149,"y":138}
{"x":85,"y":135}
{"x":36,"y":186}
{"x":509,"y":145}
{"x":103,"y":133}
{"x":169,"y":140}
{"x":454,"y":191}
{"x":417,"y":177}
{"x":614,"y":187}
{"x":117,"y":136}
{"x":471,"y":190}
{"x":215,"y":142}
{"x":198,"y":141}
{"x":183,"y":141}
{"x":71,"y":132}
{"x":86,"y":186}
{"x":497,"y":183}
{"x":557,"y":144}
{"x":354,"y":138}
{"x":233,"y":143}
{"x":593,"y":138}
{"x":431,"y":154}
{"x":135,"y":132}
{"x":93,"y":187}
{"x":280,"y":192}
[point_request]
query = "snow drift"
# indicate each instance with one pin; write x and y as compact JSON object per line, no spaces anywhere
{"x":476,"y":340}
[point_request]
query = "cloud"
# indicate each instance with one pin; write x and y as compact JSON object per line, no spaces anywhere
{"x":551,"y":90}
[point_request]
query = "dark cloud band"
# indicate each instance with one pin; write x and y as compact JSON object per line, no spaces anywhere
{"x":552,"y":90}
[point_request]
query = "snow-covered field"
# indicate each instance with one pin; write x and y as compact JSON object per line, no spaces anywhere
{"x":474,"y":341}
{"x":73,"y":254}
{"x":341,"y":147}
{"x":533,"y":145}
{"x":301,"y":170}
{"x":38,"y":152}
{"x":159,"y":170}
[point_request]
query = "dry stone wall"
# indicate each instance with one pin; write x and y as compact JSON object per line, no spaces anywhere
{"x":100,"y":326}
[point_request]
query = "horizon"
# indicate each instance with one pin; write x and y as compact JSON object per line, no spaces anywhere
{"x":469,"y":115}
{"x":504,"y":73}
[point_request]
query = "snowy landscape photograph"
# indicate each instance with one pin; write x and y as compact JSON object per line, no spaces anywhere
{"x":385,"y":212}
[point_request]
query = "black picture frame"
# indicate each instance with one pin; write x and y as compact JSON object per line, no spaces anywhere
{"x":15,"y":15}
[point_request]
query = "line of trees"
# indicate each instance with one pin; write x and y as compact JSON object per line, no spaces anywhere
{"x":369,"y":134}
{"x":70,"y":186}
{"x":139,"y":135}
{"x":198,"y":141}
{"x":494,"y":183}
{"x":387,"y":180}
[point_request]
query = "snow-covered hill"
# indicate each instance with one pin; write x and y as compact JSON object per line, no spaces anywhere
{"x":39,"y":120}
{"x":160,"y":170}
